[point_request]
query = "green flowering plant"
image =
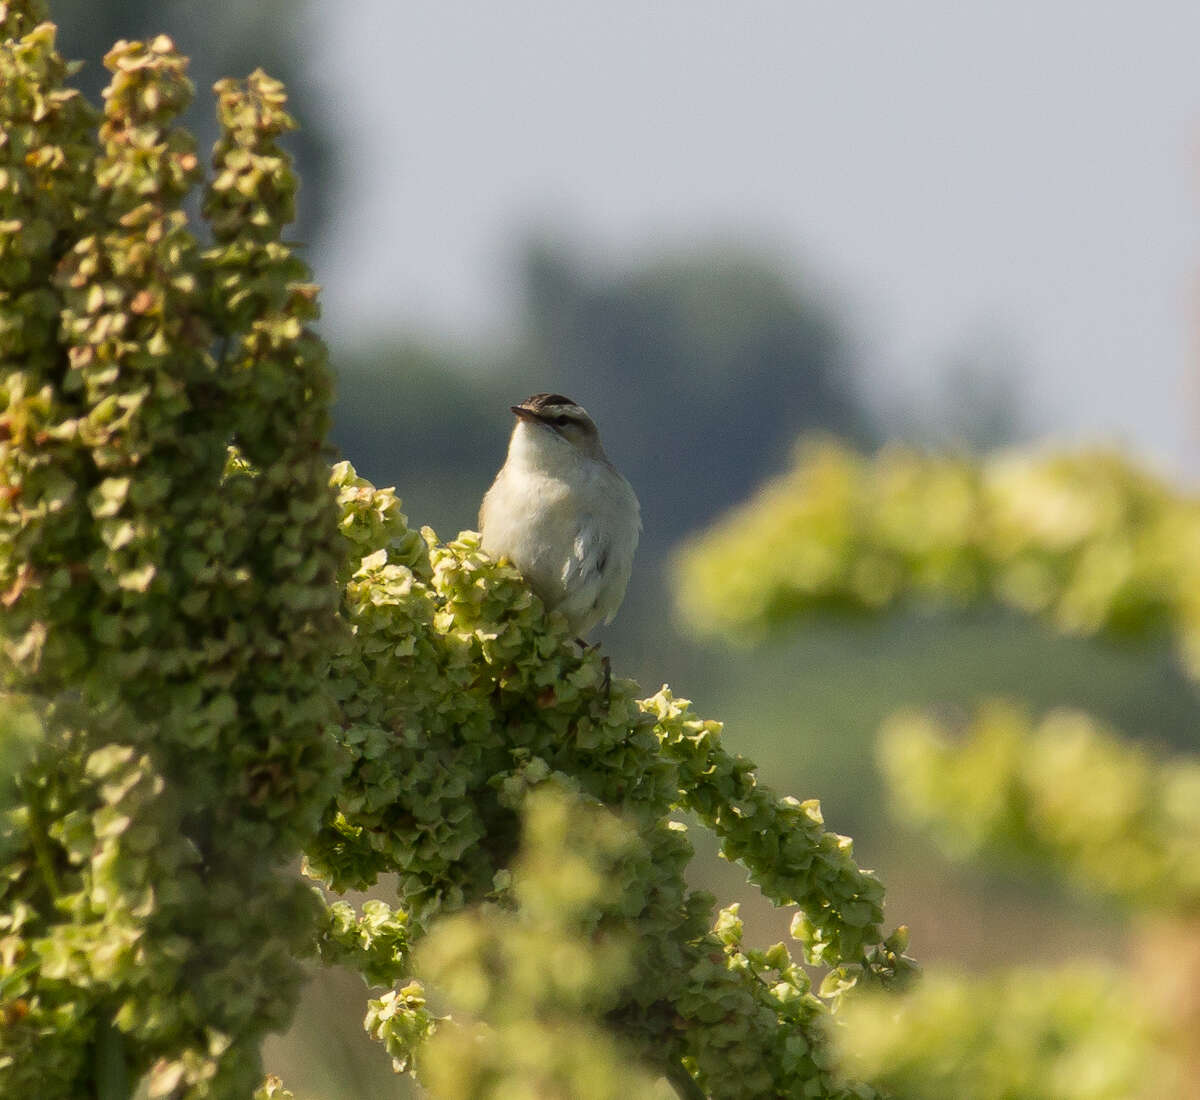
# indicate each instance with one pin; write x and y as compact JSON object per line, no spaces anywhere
{"x":1089,"y":542}
{"x":459,"y":697}
{"x":1066,"y":1032}
{"x":218,"y":655}
{"x":168,"y":617}
{"x":529,"y":982}
{"x":1093,"y":545}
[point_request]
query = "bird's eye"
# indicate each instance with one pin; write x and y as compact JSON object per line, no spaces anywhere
{"x":562,"y":421}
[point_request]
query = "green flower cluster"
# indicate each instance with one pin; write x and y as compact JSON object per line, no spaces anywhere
{"x":459,"y":696}
{"x":1074,"y":1033}
{"x":1087,"y":540}
{"x":528,"y":984}
{"x":1064,"y":791}
{"x":783,"y":844}
{"x":272,"y":1089}
{"x":168,"y":619}
{"x":374,"y":942}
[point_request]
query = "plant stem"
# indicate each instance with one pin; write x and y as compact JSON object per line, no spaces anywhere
{"x":683,"y":1083}
{"x":37,"y":839}
{"x":112,"y":1074}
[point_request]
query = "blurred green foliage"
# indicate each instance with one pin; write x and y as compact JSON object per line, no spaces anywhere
{"x":1089,"y":541}
{"x":1065,"y":792}
{"x":1094,"y":546}
{"x":522,"y":983}
{"x":1072,"y":1033}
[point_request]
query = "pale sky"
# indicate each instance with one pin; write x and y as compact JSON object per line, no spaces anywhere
{"x":942,"y":170}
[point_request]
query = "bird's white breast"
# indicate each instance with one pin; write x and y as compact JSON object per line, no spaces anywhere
{"x":568,"y":521}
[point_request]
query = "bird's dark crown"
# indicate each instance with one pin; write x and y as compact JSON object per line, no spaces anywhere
{"x":544,"y":400}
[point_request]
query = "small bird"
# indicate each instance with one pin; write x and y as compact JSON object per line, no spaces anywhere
{"x":561,"y":513}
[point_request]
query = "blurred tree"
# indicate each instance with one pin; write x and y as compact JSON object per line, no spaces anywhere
{"x":981,"y":403}
{"x":701,"y":367}
{"x":229,"y":37}
{"x":443,"y":442}
{"x":977,"y":402}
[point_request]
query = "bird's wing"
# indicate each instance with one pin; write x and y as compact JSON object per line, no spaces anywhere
{"x":598,"y":563}
{"x":588,"y":558}
{"x":584,"y":574}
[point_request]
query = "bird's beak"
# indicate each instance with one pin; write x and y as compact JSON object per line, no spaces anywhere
{"x":523,"y":412}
